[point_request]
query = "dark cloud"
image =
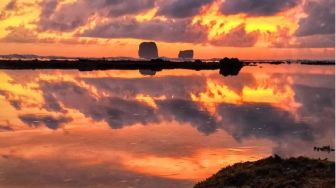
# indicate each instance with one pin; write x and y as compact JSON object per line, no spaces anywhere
{"x":313,"y":121}
{"x":168,"y":31}
{"x":51,"y":103}
{"x":117,"y":112}
{"x":16,"y":103}
{"x":284,"y":39}
{"x":242,"y":121}
{"x":319,"y":106}
{"x":262,"y":121}
{"x":12,"y":5}
{"x":317,"y":96}
{"x":20,"y":34}
{"x":73,"y":15}
{"x":15,"y":8}
{"x":237,"y":37}
{"x":314,"y":80}
{"x":5,"y":128}
{"x":320,"y":20}
{"x":170,"y":86}
{"x":315,"y":41}
{"x":47,"y":120}
{"x":257,"y":7}
{"x":186,"y":111}
{"x":179,"y":30}
{"x":48,"y":7}
{"x":67,"y":18}
{"x":125,"y":7}
{"x":181,"y":8}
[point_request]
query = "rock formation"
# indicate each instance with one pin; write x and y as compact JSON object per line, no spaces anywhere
{"x":230,"y":67}
{"x":186,"y":54}
{"x":148,"y":50}
{"x":275,"y":172}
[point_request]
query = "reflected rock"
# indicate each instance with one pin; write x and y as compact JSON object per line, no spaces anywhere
{"x":148,"y":50}
{"x":186,"y":54}
{"x":230,"y":67}
{"x":147,"y":72}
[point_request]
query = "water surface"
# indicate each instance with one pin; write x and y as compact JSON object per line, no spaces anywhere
{"x":157,"y":129}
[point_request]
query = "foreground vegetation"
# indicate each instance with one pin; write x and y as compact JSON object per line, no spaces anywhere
{"x":275,"y":172}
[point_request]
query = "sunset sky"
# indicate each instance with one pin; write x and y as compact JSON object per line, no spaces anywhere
{"x":247,"y":29}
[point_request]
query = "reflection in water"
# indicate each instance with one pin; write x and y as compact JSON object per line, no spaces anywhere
{"x":113,"y":128}
{"x":147,"y":72}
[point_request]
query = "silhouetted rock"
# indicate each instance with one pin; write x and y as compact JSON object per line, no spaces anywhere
{"x":148,"y":50}
{"x":186,"y":54}
{"x":198,"y":61}
{"x":230,"y":67}
{"x":275,"y":172}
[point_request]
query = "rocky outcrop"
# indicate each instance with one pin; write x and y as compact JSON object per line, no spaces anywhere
{"x":230,"y":67}
{"x":275,"y":172}
{"x":186,"y":54}
{"x":148,"y":50}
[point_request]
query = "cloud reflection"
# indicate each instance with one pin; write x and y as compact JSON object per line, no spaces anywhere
{"x":118,"y":103}
{"x":49,"y":121}
{"x":262,"y":121}
{"x":156,"y":120}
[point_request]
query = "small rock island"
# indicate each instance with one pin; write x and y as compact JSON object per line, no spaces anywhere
{"x":186,"y":54}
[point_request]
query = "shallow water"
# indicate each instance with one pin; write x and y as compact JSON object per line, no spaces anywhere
{"x":129,"y":129}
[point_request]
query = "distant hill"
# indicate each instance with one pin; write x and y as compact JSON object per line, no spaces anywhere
{"x":20,"y":56}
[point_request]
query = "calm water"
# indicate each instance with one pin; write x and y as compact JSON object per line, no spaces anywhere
{"x":123,"y":129}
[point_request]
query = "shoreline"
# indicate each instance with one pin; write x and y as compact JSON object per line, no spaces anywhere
{"x":156,"y":65}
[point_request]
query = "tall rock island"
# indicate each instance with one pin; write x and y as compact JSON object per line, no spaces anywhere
{"x":148,"y":50}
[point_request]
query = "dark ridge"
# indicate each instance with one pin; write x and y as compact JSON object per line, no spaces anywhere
{"x":279,"y":62}
{"x":275,"y":172}
{"x":318,"y":62}
{"x":227,"y":66}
